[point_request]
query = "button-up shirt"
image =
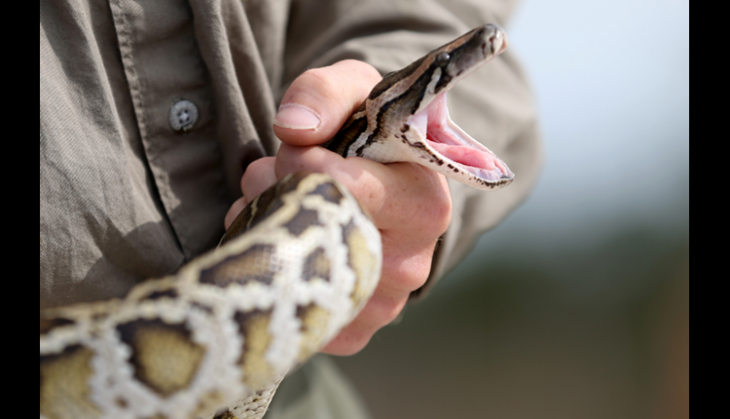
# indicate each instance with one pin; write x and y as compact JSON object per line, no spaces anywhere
{"x":151,"y":110}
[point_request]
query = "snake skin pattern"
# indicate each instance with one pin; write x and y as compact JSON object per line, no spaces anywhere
{"x":296,"y":266}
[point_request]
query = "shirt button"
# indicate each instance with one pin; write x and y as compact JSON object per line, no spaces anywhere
{"x":183,"y":115}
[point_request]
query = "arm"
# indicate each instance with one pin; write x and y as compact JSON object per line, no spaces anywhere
{"x":410,"y":217}
{"x":410,"y":205}
{"x":494,"y":104}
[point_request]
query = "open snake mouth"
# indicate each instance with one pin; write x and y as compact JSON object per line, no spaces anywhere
{"x":446,"y":140}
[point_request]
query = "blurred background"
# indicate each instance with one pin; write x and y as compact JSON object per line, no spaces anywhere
{"x":577,"y":306}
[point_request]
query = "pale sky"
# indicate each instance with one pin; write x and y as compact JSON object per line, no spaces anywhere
{"x":611,"y":80}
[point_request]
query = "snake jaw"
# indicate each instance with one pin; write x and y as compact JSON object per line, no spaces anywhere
{"x":440,"y":137}
{"x":442,"y":145}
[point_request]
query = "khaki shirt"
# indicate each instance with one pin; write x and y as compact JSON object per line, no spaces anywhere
{"x":124,"y":197}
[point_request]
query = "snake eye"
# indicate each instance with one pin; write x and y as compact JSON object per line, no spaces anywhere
{"x":442,"y":59}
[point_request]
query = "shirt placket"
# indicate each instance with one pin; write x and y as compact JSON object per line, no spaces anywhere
{"x":171,"y":94}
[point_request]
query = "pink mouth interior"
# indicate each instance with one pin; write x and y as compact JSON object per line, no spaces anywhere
{"x":454,"y":144}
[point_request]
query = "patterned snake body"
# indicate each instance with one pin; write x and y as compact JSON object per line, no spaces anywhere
{"x":295,"y":267}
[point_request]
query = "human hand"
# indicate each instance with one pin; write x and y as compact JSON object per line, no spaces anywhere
{"x":410,"y":205}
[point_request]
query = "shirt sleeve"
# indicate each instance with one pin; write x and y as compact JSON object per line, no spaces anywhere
{"x":494,"y":104}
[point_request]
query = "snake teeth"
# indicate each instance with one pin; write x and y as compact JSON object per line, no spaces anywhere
{"x":441,"y":141}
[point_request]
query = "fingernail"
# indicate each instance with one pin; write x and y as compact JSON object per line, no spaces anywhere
{"x":295,"y":116}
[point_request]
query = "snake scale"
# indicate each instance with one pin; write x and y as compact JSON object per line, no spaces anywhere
{"x":216,"y":338}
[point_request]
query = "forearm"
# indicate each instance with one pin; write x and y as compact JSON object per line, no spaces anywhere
{"x":494,"y":104}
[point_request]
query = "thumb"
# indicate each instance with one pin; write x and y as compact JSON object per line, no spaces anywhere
{"x":319,"y":101}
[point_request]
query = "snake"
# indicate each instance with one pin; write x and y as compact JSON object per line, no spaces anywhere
{"x":216,"y":338}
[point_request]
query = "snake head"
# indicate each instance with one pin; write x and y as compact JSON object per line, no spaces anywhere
{"x":427,"y":134}
{"x":405,"y":117}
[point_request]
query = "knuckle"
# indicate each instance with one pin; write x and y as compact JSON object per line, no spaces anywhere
{"x":404,"y":274}
{"x":426,"y":212}
{"x":366,"y":70}
{"x":254,"y":169}
{"x":348,"y":342}
{"x":256,"y":165}
{"x":391,"y":314}
{"x":441,"y":214}
{"x":320,"y":79}
{"x":438,"y":208}
{"x":381,"y":310}
{"x":431,"y":218}
{"x":414,"y":277}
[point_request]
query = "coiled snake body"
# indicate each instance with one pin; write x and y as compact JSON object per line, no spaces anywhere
{"x":294,"y":268}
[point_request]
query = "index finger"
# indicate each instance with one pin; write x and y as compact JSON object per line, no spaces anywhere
{"x":389,"y":192}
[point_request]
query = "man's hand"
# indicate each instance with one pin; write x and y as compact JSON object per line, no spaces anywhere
{"x":410,"y":204}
